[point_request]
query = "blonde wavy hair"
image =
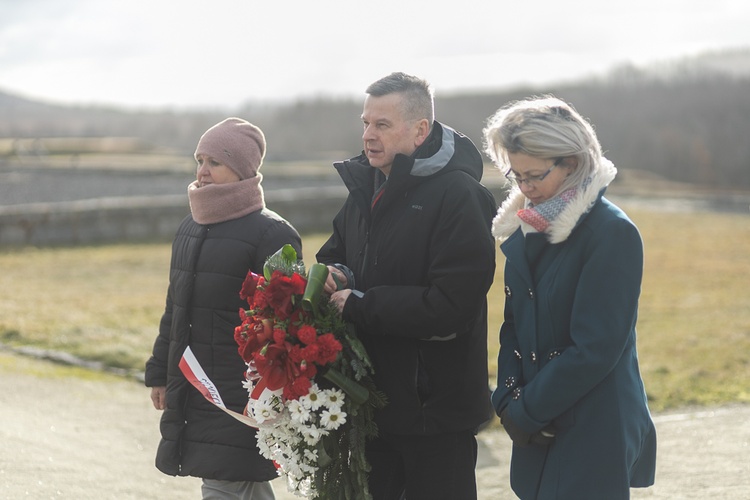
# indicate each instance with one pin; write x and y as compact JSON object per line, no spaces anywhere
{"x":544,"y":127}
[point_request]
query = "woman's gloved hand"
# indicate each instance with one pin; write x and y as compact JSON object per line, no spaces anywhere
{"x":523,"y":438}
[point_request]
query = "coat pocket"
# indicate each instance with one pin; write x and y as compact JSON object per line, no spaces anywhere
{"x":566,"y":419}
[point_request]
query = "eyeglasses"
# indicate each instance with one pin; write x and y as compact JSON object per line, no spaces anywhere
{"x":532,"y":179}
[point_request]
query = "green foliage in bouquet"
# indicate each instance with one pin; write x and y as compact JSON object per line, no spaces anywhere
{"x":299,"y":350}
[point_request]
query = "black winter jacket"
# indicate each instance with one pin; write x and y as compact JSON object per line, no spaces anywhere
{"x":209,"y":264}
{"x":424,"y":259}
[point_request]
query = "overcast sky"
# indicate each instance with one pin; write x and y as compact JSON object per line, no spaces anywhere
{"x":222,"y":53}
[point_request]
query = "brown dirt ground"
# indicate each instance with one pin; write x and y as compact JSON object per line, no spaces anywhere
{"x":66,"y":436}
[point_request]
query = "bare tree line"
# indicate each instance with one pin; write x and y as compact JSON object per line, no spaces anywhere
{"x":689,"y":127}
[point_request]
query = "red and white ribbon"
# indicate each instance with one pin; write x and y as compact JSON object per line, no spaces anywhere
{"x":194,"y":373}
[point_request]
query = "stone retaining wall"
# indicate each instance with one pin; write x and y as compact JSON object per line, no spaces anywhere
{"x":131,"y":219}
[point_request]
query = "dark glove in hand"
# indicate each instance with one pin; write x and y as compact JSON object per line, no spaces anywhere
{"x":544,"y":437}
{"x":517,"y":435}
{"x":523,"y":438}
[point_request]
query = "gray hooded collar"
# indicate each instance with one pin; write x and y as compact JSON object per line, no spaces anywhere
{"x":424,"y":167}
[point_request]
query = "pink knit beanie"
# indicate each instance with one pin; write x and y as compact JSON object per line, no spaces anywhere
{"x":238,"y":144}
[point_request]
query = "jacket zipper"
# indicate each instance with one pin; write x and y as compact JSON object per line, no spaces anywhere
{"x":364,"y":253}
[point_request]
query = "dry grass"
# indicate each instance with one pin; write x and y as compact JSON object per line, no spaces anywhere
{"x":100,"y":303}
{"x":104,"y":303}
{"x":694,"y":325}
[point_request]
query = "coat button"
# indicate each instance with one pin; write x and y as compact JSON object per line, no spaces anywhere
{"x":533,"y":357}
{"x":516,"y":393}
{"x":531,"y":294}
{"x":510,"y":382}
{"x":518,"y":354}
{"x":508,"y":293}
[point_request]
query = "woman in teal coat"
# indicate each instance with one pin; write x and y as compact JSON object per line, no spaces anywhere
{"x":569,"y":392}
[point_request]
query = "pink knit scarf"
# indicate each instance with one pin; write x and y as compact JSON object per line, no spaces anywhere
{"x":222,"y":202}
{"x":541,"y":216}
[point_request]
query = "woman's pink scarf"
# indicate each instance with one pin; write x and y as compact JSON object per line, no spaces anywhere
{"x":222,"y":202}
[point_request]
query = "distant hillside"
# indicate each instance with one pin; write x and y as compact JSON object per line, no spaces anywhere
{"x":685,"y":120}
{"x":23,"y":118}
{"x":734,"y":63}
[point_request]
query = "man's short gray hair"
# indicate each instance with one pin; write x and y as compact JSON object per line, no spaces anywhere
{"x":418,"y":95}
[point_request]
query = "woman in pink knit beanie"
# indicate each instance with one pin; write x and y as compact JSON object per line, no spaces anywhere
{"x":238,"y":144}
{"x":228,"y":152}
{"x":228,"y":232}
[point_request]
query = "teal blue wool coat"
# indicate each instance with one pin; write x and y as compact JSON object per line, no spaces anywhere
{"x":568,"y":350}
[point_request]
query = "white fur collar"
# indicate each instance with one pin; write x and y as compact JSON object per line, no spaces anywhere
{"x":506,"y":222}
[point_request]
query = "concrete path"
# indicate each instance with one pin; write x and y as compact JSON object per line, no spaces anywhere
{"x":66,"y":434}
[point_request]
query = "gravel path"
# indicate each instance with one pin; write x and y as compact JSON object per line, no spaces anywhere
{"x":65,"y":434}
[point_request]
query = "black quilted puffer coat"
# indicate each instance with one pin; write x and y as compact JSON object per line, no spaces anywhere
{"x":209,"y":264}
{"x":424,"y":261}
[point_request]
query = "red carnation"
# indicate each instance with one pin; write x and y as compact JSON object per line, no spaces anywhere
{"x":279,"y":335}
{"x":295,"y":354}
{"x":299,"y":283}
{"x":307,"y":334}
{"x":279,"y":293}
{"x":295,"y":321}
{"x":240,"y":336}
{"x":260,"y":301}
{"x":329,"y":348}
{"x":298,"y":388}
{"x":249,"y":287}
{"x":308,"y":370}
{"x":311,"y":353}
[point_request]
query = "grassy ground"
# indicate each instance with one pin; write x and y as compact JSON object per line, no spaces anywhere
{"x":104,"y":303}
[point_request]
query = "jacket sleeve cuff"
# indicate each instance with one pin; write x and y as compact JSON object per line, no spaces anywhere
{"x":350,"y":283}
{"x":350,"y":305}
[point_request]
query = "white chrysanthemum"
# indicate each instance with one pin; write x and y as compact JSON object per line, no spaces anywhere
{"x":249,"y":385}
{"x":306,"y":488}
{"x":263,"y":410}
{"x":314,"y":398}
{"x":309,"y":469}
{"x":333,"y":418}
{"x":265,"y":440}
{"x":296,"y":469}
{"x":311,"y":456}
{"x":292,"y":484}
{"x":286,"y":443}
{"x":334,"y":398}
{"x":312,"y":435}
{"x":298,"y":411}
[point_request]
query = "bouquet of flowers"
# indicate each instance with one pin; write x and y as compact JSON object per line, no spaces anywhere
{"x":309,"y":381}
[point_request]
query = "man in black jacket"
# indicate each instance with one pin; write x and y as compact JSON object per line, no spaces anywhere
{"x":413,"y":258}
